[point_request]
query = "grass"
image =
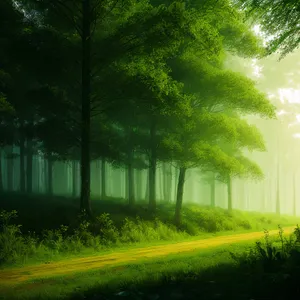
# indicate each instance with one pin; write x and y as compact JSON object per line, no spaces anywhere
{"x":122,"y":276}
{"x":52,"y":229}
{"x":236,"y":271}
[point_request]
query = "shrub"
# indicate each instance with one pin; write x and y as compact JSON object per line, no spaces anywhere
{"x":108,"y":231}
{"x":12,"y":245}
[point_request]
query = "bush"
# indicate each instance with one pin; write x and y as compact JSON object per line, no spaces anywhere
{"x":145,"y":231}
{"x":13,"y":245}
{"x":273,"y":255}
{"x":103,"y":232}
{"x":108,"y":231}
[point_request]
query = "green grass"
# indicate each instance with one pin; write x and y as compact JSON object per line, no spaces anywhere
{"x":52,"y":230}
{"x":231,"y":272}
{"x":122,"y":276}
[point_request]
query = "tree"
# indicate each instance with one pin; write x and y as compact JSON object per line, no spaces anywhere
{"x":204,"y":141}
{"x":213,"y":89}
{"x":279,"y":19}
{"x":107,"y":30}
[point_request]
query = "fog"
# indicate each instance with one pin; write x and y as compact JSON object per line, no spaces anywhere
{"x":279,"y":163}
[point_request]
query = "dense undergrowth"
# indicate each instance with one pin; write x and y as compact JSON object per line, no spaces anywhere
{"x":52,"y":226}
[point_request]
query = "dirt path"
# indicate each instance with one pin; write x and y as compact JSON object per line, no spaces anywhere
{"x":65,"y":267}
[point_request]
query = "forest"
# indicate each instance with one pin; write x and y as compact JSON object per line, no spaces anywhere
{"x":149,"y":149}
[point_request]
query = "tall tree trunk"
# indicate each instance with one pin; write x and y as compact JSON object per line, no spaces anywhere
{"x":130,"y":183}
{"x":152,"y":168}
{"x":294,"y":195}
{"x":36,"y":167}
{"x":179,"y":198}
{"x":130,"y":169}
{"x":229,"y":193}
{"x":45,"y":175}
{"x":10,"y":168}
{"x":50,"y":176}
{"x":85,"y":201}
{"x":147,"y":187}
{"x":74,"y":179}
{"x":176,"y":175}
{"x":277,"y":191}
{"x":166,"y":182}
{"x":1,"y":174}
{"x":139,"y":184}
{"x":103,"y":179}
{"x":126,"y":183}
{"x":162,"y":185}
{"x":212,"y":191}
{"x":29,"y":165}
{"x":22,"y":159}
{"x":122,"y":183}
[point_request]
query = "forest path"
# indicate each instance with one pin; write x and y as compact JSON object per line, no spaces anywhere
{"x":66,"y":267}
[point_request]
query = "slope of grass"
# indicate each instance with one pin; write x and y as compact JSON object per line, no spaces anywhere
{"x":269,"y":270}
{"x":39,"y":212}
{"x":52,"y":229}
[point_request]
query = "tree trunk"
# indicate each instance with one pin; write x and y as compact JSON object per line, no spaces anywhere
{"x":36,"y":167}
{"x":85,"y":203}
{"x":176,"y":175}
{"x":22,"y":159}
{"x":167,"y":183}
{"x":229,"y":194}
{"x":50,"y":176}
{"x":213,"y":191}
{"x":1,"y":175}
{"x":29,"y":165}
{"x":179,"y":198}
{"x":147,"y":187}
{"x":152,"y":168}
{"x":139,"y":184}
{"x":103,"y":179}
{"x":10,"y":168}
{"x":74,"y":179}
{"x":294,"y":195}
{"x":130,"y":169}
{"x":126,"y":183}
{"x":130,"y":182}
{"x":161,"y":185}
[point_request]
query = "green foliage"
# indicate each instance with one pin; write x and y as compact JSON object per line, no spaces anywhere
{"x":144,"y":231}
{"x":279,"y":19}
{"x":108,"y":231}
{"x":112,"y":229}
{"x":13,"y":245}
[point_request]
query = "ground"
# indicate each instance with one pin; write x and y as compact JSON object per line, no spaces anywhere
{"x":32,"y":277}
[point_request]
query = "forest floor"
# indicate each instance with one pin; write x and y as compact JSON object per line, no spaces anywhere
{"x":140,"y":249}
{"x":31,"y":277}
